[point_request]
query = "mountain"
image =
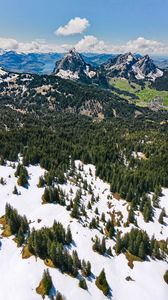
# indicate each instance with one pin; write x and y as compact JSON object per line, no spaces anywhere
{"x":50,"y":93}
{"x":127,"y":275}
{"x":72,"y":66}
{"x":130,"y":66}
{"x":40,"y":63}
{"x":43,"y":63}
{"x":96,"y":59}
{"x":161,"y":61}
{"x":120,"y":66}
{"x":145,"y":68}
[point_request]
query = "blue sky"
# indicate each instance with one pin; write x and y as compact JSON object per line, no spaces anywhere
{"x":114,"y":22}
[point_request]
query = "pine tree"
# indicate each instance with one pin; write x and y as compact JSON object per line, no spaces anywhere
{"x":161,"y":216}
{"x":22,"y":180}
{"x":75,"y":210}
{"x":45,"y":285}
{"x":59,"y":296}
{"x":41,"y":182}
{"x":20,"y":237}
{"x":118,"y":246}
{"x":86,"y":268}
{"x":89,"y":206}
{"x":131,"y":216}
{"x":103,"y":246}
{"x":103,"y":218}
{"x":82,"y":284}
{"x":46,"y":196}
{"x":109,"y":252}
{"x":102,"y":284}
{"x":155,"y":200}
{"x":141,"y":252}
{"x":15,"y":191}
{"x":96,"y":211}
{"x":148,"y":212}
{"x":68,"y":236}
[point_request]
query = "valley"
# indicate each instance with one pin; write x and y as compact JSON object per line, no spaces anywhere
{"x":84,"y":181}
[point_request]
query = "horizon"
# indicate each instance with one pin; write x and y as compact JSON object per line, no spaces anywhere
{"x":97,"y":27}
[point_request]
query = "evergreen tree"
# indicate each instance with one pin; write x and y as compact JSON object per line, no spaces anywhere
{"x":102,"y":284}
{"x":22,"y":180}
{"x":141,"y":252}
{"x":131,"y":216}
{"x":103,"y":218}
{"x":75,"y":210}
{"x":89,"y":206}
{"x":59,"y":296}
{"x":41,"y":182}
{"x":109,"y":252}
{"x":82,"y":284}
{"x":161,"y":216}
{"x":46,"y":282}
{"x":166,"y":277}
{"x":69,"y":236}
{"x":15,"y":191}
{"x":46,"y":196}
{"x":86,"y":268}
{"x":118,"y":246}
{"x":156,"y":200}
{"x":148,"y":212}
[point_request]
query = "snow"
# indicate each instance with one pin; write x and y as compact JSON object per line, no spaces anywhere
{"x":152,"y":75}
{"x":2,"y":72}
{"x":68,"y":74}
{"x":129,"y":58}
{"x":138,"y":72}
{"x":155,"y":75}
{"x":23,"y":276}
{"x":89,"y":73}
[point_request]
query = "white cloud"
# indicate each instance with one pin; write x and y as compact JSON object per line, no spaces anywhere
{"x":39,"y":45}
{"x":140,"y":45}
{"x":144,"y":46}
{"x":74,"y":26}
{"x":8,"y":44}
{"x":89,"y":43}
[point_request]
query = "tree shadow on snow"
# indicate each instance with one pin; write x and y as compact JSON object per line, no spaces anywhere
{"x":52,"y":292}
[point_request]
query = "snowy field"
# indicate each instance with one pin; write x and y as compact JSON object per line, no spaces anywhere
{"x":19,"y":278}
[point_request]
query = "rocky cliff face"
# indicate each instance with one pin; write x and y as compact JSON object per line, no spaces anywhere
{"x":72,"y":66}
{"x":131,"y":67}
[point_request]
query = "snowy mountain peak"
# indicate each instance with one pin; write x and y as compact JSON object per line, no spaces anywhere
{"x":72,"y":66}
{"x":130,"y":66}
{"x":146,"y":69}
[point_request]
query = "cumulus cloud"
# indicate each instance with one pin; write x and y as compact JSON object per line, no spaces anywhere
{"x":74,"y":26}
{"x":39,"y":45}
{"x":140,"y":45}
{"x":89,"y":43}
{"x":8,"y":44}
{"x":144,"y":46}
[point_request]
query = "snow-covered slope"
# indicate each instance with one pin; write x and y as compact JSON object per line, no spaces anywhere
{"x":19,"y":278}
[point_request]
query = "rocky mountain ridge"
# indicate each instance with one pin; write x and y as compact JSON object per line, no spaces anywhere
{"x":130,"y":66}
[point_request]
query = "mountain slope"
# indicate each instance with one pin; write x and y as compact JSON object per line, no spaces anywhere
{"x":30,"y":92}
{"x":131,"y":67}
{"x":72,"y":66}
{"x":40,"y":63}
{"x":124,"y":281}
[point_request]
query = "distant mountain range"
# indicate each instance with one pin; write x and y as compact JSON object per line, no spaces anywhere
{"x":43,"y":63}
{"x":129,"y":66}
